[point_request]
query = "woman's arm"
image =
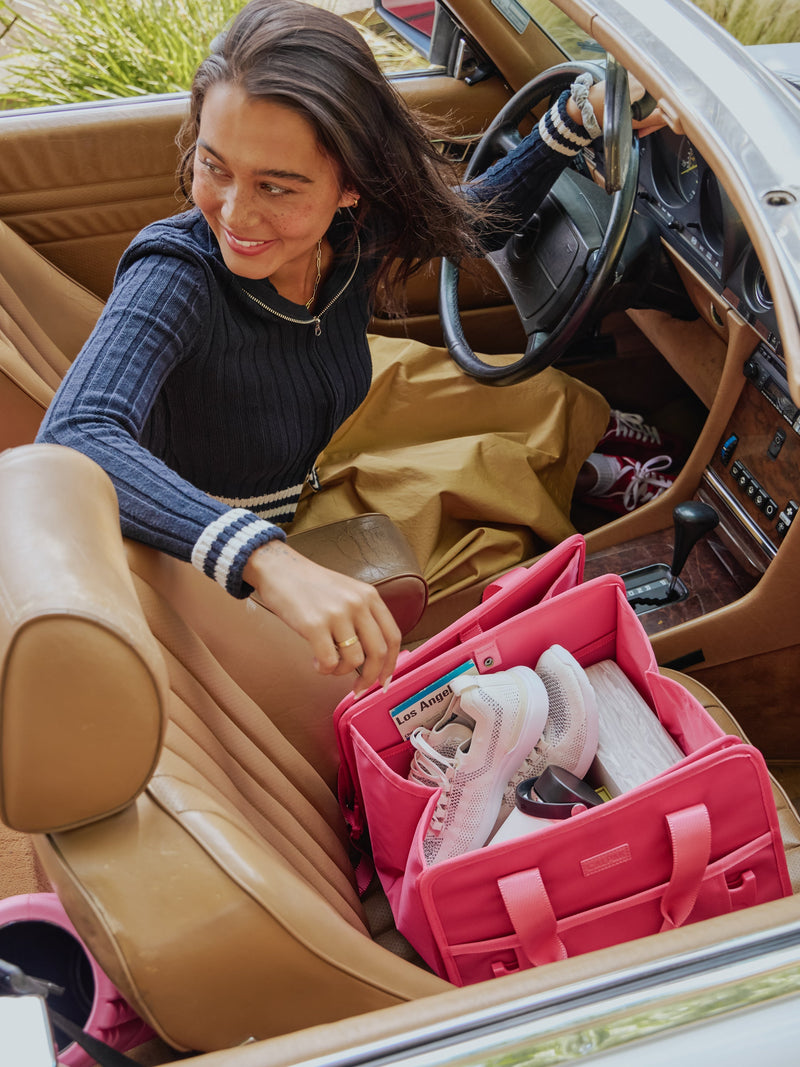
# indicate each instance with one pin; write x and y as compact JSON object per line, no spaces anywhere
{"x":156,"y":319}
{"x":521,"y":180}
{"x":153,"y":322}
{"x":329,"y":610}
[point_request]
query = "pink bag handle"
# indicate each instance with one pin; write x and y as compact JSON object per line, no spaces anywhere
{"x":532,"y":916}
{"x":690,"y":836}
{"x":534,"y":921}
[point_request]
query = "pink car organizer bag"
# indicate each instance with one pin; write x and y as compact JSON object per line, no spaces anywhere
{"x":698,"y":840}
{"x":509,"y":595}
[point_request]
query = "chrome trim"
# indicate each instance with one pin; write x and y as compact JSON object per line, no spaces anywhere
{"x":719,"y":487}
{"x":598,"y":1014}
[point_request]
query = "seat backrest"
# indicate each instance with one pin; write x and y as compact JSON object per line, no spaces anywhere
{"x":193,"y":841}
{"x":45,"y":317}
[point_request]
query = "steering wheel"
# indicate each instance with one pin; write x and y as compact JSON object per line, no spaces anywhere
{"x":559,"y":264}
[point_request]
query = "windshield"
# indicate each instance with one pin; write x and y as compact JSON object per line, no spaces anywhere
{"x":749,"y":21}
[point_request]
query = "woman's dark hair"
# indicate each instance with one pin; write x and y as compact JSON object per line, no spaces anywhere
{"x":317,"y":63}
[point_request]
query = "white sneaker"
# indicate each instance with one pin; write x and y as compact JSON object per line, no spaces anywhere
{"x":508,"y":710}
{"x":569,"y":739}
{"x":435,"y":749}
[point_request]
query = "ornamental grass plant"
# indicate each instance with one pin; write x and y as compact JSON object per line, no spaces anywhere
{"x":753,"y":22}
{"x":76,"y":50}
{"x":68,"y":51}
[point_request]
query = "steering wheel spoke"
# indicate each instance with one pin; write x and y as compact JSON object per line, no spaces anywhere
{"x":505,"y":140}
{"x":559,"y":267}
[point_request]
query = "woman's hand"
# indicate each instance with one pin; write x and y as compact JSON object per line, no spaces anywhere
{"x":345,"y":621}
{"x":597,"y":97}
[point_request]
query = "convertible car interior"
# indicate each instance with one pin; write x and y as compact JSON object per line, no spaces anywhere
{"x":157,"y":771}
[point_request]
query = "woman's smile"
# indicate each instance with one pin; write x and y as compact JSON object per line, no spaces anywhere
{"x":245,"y":247}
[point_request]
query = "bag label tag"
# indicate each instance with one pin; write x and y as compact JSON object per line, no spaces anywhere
{"x":427,"y":706}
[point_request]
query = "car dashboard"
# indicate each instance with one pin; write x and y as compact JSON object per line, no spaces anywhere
{"x":681,"y":193}
{"x":750,"y":471}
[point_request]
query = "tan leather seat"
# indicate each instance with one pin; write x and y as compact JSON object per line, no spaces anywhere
{"x":187,"y":830}
{"x":44,"y":319}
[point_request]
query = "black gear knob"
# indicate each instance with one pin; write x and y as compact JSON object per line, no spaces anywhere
{"x":692,"y":519}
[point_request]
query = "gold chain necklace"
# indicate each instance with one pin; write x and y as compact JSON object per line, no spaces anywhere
{"x":319,"y":275}
{"x":315,"y":320}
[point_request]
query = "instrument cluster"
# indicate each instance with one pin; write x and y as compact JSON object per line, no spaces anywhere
{"x":680,"y":191}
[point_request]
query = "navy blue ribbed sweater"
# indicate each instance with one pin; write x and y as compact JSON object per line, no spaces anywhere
{"x":207,"y":398}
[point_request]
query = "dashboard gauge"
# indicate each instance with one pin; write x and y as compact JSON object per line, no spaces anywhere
{"x":687,"y":179}
{"x":675,"y":168}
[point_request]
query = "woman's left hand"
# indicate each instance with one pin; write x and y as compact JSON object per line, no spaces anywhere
{"x":597,"y":97}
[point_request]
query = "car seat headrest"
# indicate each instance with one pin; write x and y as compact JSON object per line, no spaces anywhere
{"x":83,"y":685}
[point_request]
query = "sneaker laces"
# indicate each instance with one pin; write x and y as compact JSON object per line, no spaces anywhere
{"x":630,"y":425}
{"x":645,"y":483}
{"x":435,"y":769}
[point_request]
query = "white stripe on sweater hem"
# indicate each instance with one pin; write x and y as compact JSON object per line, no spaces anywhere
{"x":253,"y":502}
{"x":284,"y":513}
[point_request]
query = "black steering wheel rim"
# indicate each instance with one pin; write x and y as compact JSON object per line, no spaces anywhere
{"x":542,"y":352}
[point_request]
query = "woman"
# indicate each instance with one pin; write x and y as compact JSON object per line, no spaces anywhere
{"x":234,"y":344}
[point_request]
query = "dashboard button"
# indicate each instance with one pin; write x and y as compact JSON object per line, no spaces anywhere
{"x":777,"y":443}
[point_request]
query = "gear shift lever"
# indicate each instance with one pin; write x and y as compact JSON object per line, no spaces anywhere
{"x":692,"y":520}
{"x":657,"y":585}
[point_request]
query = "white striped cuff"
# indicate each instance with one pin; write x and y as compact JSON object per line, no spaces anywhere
{"x":221,"y":550}
{"x":558,"y":130}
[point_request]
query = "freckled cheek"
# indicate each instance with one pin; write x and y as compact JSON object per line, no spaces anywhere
{"x":288,"y":219}
{"x":203,"y":193}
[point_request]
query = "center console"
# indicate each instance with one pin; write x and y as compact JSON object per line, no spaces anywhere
{"x":752,"y":481}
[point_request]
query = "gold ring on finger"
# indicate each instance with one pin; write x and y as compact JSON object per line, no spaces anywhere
{"x":348,"y":643}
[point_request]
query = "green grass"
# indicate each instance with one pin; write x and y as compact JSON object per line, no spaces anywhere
{"x":767,"y":22}
{"x":101,"y":49}
{"x":86,"y":50}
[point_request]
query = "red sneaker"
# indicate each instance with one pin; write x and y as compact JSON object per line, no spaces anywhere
{"x":630,"y":436}
{"x":624,"y":484}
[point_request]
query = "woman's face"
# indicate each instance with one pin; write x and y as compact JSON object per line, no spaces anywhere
{"x":265,"y":187}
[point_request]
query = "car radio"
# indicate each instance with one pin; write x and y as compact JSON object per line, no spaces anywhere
{"x":766,"y":372}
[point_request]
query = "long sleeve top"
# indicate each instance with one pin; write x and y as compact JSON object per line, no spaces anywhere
{"x":208,"y":397}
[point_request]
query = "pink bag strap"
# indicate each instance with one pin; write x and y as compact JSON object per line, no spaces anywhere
{"x":690,"y":837}
{"x":531,"y":912}
{"x":532,"y":916}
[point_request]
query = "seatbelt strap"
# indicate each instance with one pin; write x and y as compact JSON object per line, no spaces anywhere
{"x":103,"y":1055}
